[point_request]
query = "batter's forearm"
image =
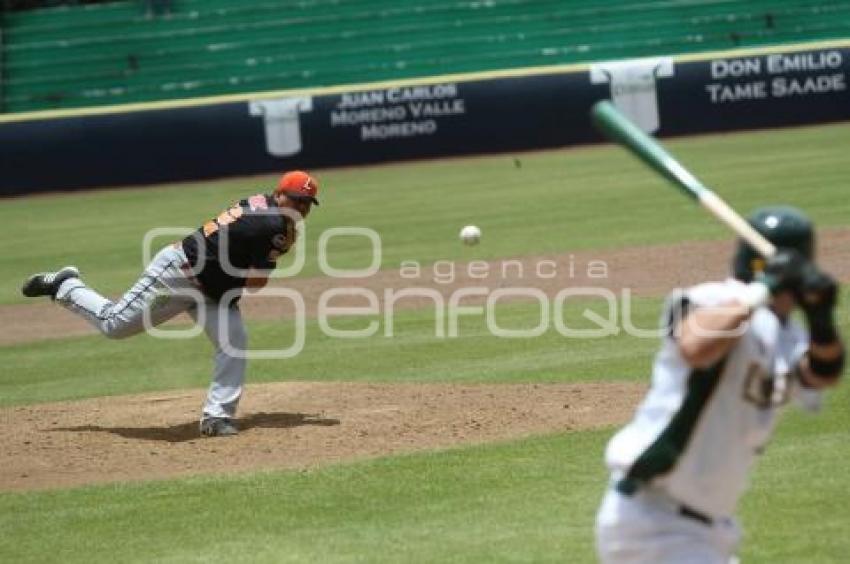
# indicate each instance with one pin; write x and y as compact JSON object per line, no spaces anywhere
{"x":708,"y":334}
{"x":824,"y":362}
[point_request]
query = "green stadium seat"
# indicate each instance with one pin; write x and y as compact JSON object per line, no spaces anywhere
{"x":111,"y":53}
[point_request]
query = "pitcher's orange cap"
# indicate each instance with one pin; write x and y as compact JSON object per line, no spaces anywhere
{"x":299,"y":185}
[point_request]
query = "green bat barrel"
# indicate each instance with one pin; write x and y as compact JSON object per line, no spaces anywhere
{"x":617,"y":127}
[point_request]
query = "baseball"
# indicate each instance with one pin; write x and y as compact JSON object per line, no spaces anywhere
{"x":470,"y":235}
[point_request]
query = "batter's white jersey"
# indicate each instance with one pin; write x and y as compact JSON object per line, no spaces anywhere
{"x":697,"y":432}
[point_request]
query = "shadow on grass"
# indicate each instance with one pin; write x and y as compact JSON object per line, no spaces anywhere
{"x":189,"y":431}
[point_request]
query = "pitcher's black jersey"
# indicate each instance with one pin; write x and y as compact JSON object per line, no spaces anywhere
{"x":250,"y":234}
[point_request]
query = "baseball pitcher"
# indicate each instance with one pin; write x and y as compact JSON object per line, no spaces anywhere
{"x":203,"y":275}
{"x":731,"y":359}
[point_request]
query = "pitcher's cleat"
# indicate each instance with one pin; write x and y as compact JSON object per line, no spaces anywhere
{"x":218,"y":427}
{"x":47,"y":283}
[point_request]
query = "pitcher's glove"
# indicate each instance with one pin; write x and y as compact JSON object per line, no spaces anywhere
{"x":282,"y":242}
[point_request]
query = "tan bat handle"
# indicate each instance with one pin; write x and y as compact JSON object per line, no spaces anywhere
{"x":721,"y":210}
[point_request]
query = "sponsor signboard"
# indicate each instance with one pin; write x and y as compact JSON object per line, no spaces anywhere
{"x":479,"y":114}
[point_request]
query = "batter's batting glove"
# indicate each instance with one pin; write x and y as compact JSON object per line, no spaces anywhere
{"x":817,"y":296}
{"x":784,"y":271}
{"x":817,"y":289}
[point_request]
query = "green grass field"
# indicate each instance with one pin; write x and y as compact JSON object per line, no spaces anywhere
{"x":595,"y":197}
{"x":523,"y":501}
{"x":528,"y":501}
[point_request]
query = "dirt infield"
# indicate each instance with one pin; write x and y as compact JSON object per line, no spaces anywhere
{"x":647,"y":270}
{"x":286,"y":425}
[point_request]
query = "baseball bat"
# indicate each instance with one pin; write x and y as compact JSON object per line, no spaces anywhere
{"x":619,"y":128}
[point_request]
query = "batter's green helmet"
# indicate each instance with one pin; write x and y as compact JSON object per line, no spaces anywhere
{"x":785,"y":227}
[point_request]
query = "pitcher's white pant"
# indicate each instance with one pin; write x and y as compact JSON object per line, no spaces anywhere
{"x":162,"y":292}
{"x":646,"y":528}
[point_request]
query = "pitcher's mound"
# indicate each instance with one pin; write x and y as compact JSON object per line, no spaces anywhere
{"x":286,"y":425}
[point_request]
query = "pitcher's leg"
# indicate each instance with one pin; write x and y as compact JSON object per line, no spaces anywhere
{"x":161,"y":292}
{"x":75,"y":296}
{"x":226,"y":331}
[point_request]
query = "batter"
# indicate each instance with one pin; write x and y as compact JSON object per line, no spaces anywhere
{"x":731,"y":359}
